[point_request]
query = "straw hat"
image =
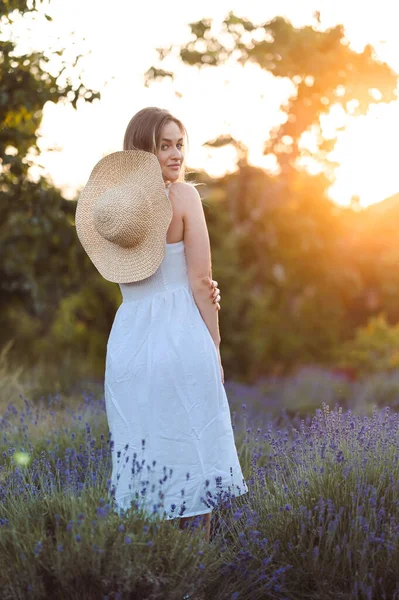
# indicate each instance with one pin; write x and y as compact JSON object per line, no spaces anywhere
{"x":123,"y":214}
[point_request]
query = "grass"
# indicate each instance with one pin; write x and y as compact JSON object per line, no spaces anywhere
{"x":320,"y":521}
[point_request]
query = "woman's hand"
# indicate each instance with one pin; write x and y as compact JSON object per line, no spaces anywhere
{"x":215,"y":294}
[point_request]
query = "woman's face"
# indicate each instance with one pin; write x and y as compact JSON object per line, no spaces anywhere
{"x":170,"y":151}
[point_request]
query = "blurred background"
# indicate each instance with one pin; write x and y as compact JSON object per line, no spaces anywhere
{"x":293,"y":121}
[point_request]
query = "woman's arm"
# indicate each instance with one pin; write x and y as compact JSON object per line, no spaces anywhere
{"x":198,"y":254}
{"x":206,"y":307}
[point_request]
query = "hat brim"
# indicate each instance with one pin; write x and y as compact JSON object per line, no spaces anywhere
{"x":114,"y":262}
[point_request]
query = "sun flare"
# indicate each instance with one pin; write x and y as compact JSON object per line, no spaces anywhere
{"x":367,"y":154}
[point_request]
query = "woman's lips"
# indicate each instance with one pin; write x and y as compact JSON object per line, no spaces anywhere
{"x":175,"y":167}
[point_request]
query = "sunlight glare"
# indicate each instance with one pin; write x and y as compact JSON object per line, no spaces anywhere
{"x":367,"y":152}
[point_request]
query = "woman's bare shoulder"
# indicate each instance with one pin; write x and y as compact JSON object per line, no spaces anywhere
{"x":184,"y":190}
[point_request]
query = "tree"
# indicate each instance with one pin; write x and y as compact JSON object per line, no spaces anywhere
{"x":41,"y":261}
{"x":323,"y":69}
{"x":280,"y":244}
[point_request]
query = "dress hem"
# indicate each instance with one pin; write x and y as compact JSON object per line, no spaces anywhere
{"x":166,"y":518}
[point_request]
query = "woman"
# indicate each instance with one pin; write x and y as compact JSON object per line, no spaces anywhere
{"x":173,"y":445}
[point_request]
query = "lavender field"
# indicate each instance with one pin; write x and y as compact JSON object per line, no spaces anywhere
{"x":321,"y":520}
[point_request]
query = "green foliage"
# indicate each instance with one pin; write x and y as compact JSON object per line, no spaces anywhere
{"x":297,"y":274}
{"x":295,"y":270}
{"x":11,"y":377}
{"x":375,"y":347}
{"x":278,"y":253}
{"x":43,"y":265}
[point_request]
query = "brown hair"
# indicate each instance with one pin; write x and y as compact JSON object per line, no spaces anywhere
{"x":144,"y":131}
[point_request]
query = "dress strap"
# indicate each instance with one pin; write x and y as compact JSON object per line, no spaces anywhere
{"x":167,"y":188}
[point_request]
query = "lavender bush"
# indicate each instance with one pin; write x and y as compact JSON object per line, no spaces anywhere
{"x":321,"y":519}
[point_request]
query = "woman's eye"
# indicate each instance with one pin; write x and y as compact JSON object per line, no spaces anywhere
{"x":166,"y":146}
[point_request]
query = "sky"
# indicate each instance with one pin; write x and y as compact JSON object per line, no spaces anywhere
{"x":122,"y":38}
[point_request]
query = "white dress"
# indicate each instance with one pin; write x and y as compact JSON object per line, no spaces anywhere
{"x":165,"y":400}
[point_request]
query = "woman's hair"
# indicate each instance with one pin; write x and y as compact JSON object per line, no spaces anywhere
{"x":145,"y":128}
